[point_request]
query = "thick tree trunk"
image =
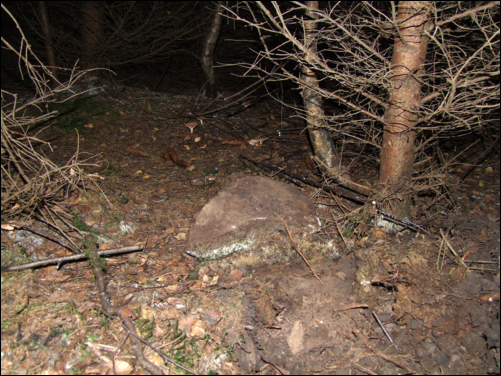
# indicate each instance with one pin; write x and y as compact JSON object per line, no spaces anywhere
{"x":320,"y":138}
{"x":409,"y":54}
{"x":92,"y":18}
{"x":49,"y":48}
{"x":207,"y":59}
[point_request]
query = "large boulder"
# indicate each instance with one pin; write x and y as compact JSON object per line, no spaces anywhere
{"x":244,"y":220}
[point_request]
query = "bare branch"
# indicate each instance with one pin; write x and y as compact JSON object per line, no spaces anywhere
{"x":469,"y":12}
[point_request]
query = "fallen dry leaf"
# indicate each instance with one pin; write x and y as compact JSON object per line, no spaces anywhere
{"x":136,"y":152}
{"x":173,"y":155}
{"x":257,"y":141}
{"x":167,"y":156}
{"x":183,"y":164}
{"x":181,"y":236}
{"x":309,"y":163}
{"x":172,"y":289}
{"x":122,"y":367}
{"x":128,"y":312}
{"x":236,"y":274}
{"x":234,"y":142}
{"x":176,"y":262}
{"x":156,"y":359}
{"x":197,"y":331}
{"x":147,"y":313}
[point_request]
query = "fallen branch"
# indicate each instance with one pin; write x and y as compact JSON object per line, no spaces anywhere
{"x":50,"y":237}
{"x":110,"y":310}
{"x":116,"y":311}
{"x":298,"y":180}
{"x":347,"y":193}
{"x":61,"y":260}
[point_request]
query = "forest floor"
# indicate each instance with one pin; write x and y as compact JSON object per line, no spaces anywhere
{"x":437,"y":295}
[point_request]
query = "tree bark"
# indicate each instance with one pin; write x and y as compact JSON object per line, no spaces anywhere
{"x":397,"y":155}
{"x":320,"y":138}
{"x":49,"y":47}
{"x":207,"y":59}
{"x":92,"y":30}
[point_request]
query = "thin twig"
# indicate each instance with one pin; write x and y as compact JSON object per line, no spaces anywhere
{"x":294,"y":246}
{"x":111,"y":310}
{"x":60,"y":260}
{"x":50,"y":237}
{"x":384,"y":331}
{"x":358,"y":306}
{"x":157,"y":351}
{"x":478,"y":160}
{"x":386,"y":357}
{"x":452,"y":249}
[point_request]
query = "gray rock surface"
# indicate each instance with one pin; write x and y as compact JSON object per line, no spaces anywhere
{"x":243,"y":218}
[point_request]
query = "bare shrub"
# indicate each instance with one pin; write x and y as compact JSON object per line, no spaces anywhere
{"x":351,"y":58}
{"x":30,"y":181}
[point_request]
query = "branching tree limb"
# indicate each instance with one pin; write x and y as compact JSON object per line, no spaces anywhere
{"x":361,"y":89}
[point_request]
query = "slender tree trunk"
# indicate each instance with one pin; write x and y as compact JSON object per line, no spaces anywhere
{"x":207,"y":59}
{"x":320,"y":138}
{"x":409,"y":54}
{"x":92,"y":18}
{"x":49,"y":47}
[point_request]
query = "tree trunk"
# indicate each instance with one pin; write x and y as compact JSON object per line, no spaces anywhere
{"x":49,"y":47}
{"x":397,"y":155}
{"x":92,"y":18}
{"x":207,"y":59}
{"x":320,"y":138}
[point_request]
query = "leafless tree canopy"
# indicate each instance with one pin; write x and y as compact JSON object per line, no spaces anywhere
{"x":460,"y":82}
{"x":351,"y":55}
{"x":122,"y":32}
{"x":31,"y":181}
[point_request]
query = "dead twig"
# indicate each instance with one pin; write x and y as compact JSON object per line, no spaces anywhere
{"x":446,"y":241}
{"x":478,"y":160}
{"x":110,"y":310}
{"x":114,"y":311}
{"x":133,"y":334}
{"x":384,"y":331}
{"x":353,"y":307}
{"x":51,"y":238}
{"x":298,"y":180}
{"x":268,"y":363}
{"x":61,"y":260}
{"x":386,"y":357}
{"x":294,"y":246}
{"x":363,"y":369}
{"x":346,"y":193}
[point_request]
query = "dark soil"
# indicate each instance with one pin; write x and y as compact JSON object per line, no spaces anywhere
{"x":437,"y":295}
